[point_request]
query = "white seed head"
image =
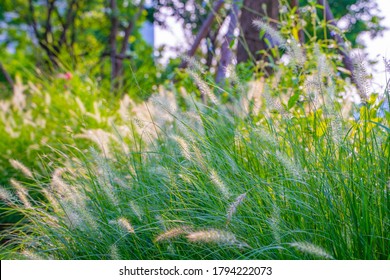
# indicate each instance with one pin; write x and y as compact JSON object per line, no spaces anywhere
{"x":274,"y":223}
{"x":173,"y":233}
{"x":292,"y":167}
{"x":193,"y":64}
{"x":125,"y":225}
{"x":212,"y":236}
{"x":234,"y":205}
{"x":276,"y":37}
{"x":361,"y":77}
{"x":218,"y":182}
{"x":184,"y":147}
{"x":30,"y":255}
{"x":81,"y":105}
{"x":296,"y":53}
{"x":58,"y":185}
{"x":311,"y":249}
{"x":52,"y":200}
{"x":21,"y":167}
{"x":136,"y":209}
{"x":21,"y":192}
{"x":204,"y":87}
{"x":114,"y":252}
{"x":6,"y":196}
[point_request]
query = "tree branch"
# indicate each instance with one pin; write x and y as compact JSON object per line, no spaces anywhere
{"x":112,"y":39}
{"x":33,"y":21}
{"x":204,"y":30}
{"x":7,"y":76}
{"x":60,"y":19}
{"x":48,"y":27}
{"x":117,"y":56}
{"x":125,"y":42}
{"x":69,"y":21}
{"x":130,"y":27}
{"x":42,"y":40}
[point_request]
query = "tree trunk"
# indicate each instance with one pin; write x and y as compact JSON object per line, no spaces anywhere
{"x":226,"y":52}
{"x":250,"y":44}
{"x":6,"y":75}
{"x":112,"y":39}
{"x":125,"y":43}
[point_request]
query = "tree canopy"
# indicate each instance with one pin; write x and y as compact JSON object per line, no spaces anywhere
{"x":101,"y":33}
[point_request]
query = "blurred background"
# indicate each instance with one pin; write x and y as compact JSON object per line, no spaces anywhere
{"x":107,"y":37}
{"x":379,"y":47}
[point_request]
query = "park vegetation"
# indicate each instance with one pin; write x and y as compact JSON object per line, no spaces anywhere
{"x":110,"y":157}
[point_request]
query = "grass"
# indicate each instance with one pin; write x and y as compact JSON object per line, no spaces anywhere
{"x":207,"y":183}
{"x":284,"y":169}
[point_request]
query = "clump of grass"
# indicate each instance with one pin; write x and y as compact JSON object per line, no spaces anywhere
{"x":202,"y":182}
{"x":314,"y":196}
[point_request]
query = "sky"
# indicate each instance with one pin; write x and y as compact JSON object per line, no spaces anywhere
{"x":377,"y":48}
{"x":380,"y":47}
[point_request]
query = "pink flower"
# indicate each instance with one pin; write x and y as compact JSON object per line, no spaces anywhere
{"x":66,"y":76}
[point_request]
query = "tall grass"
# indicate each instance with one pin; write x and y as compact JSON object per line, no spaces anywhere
{"x":279,"y":170}
{"x":208,"y":183}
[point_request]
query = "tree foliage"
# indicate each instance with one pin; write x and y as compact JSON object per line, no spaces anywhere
{"x":100,"y":35}
{"x":75,"y":34}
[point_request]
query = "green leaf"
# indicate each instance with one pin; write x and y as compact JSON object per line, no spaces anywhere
{"x":232,"y":43}
{"x":381,"y":125}
{"x":293,"y":100}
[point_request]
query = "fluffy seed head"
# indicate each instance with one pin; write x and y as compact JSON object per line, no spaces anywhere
{"x":21,"y":192}
{"x":203,"y":87}
{"x":234,"y":205}
{"x":212,"y":236}
{"x":217,"y":181}
{"x":200,"y":158}
{"x":51,"y":199}
{"x":311,"y":249}
{"x":114,"y":252}
{"x":361,"y":77}
{"x":58,"y":184}
{"x":100,"y":137}
{"x":185,"y":148}
{"x":295,"y":52}
{"x":21,"y":167}
{"x":172,"y":233}
{"x":30,"y":255}
{"x":136,"y":209}
{"x":6,"y":195}
{"x":194,"y":64}
{"x":125,"y":225}
{"x":274,"y":223}
{"x":291,"y":166}
{"x":277,"y":39}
